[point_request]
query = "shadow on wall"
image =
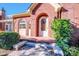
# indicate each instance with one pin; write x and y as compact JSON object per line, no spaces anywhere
{"x":75,"y":35}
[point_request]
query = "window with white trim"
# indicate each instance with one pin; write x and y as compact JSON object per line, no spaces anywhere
{"x":22,"y":24}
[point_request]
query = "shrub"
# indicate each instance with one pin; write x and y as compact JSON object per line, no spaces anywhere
{"x":73,"y":51}
{"x":8,"y":39}
{"x":62,"y":32}
{"x":61,"y":28}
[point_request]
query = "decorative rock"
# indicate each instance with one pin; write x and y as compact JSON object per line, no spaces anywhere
{"x":37,"y":45}
{"x":28,"y":52}
{"x":43,"y":46}
{"x":39,"y":49}
{"x":30,"y":44}
{"x":15,"y":53}
{"x":57,"y":50}
{"x":18,"y":45}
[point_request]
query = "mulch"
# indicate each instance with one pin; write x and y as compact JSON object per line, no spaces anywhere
{"x":4,"y":52}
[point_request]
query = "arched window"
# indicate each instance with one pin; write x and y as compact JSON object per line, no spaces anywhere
{"x":43,"y":24}
{"x":22,"y":24}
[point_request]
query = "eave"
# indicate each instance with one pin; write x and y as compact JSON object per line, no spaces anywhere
{"x":21,"y":15}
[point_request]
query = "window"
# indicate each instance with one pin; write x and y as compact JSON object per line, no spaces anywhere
{"x":22,"y":24}
{"x":43,"y":23}
{"x":8,"y":27}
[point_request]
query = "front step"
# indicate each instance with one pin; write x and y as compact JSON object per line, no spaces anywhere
{"x":39,"y":39}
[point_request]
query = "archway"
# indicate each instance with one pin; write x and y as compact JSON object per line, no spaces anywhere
{"x":42,"y":25}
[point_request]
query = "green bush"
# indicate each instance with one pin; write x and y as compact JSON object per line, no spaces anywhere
{"x":8,"y":39}
{"x":62,"y":32}
{"x":73,"y":51}
{"x":61,"y":28}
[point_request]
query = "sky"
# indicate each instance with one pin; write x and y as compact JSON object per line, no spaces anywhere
{"x":14,"y":8}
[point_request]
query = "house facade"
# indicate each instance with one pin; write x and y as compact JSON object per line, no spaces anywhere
{"x":5,"y":22}
{"x":36,"y":22}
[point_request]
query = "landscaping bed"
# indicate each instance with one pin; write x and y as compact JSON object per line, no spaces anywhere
{"x":37,"y":49}
{"x":4,"y":52}
{"x":7,"y":40}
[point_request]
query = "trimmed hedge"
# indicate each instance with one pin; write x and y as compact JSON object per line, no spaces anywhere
{"x":8,"y":39}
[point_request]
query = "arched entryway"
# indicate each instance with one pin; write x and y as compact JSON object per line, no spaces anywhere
{"x":42,"y":25}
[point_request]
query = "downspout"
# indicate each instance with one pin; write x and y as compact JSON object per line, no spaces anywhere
{"x":57,"y":8}
{"x":59,"y":13}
